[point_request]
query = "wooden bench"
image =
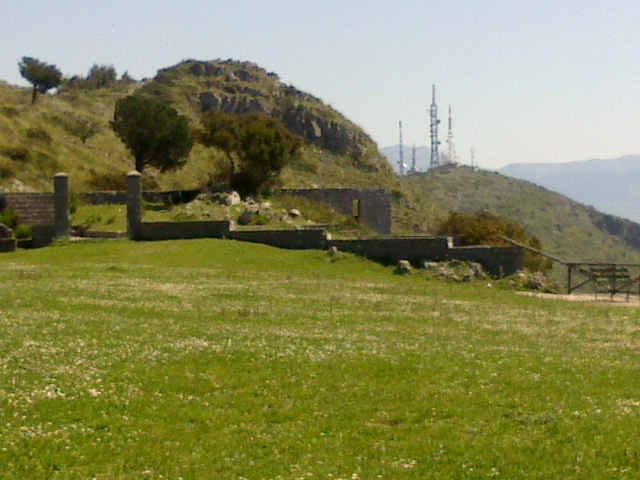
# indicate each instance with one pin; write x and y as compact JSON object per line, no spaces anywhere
{"x":611,"y":279}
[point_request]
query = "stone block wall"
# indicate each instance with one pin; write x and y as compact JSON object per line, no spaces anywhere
{"x":371,"y":207}
{"x":7,"y":245}
{"x":390,"y":250}
{"x":183,"y":230}
{"x":497,"y":261}
{"x":31,"y":208}
{"x":307,"y":239}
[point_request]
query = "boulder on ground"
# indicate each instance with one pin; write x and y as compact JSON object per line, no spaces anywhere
{"x":246,"y":217}
{"x":294,"y":213}
{"x":403,"y":268}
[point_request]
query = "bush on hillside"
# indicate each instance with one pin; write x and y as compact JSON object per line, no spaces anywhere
{"x":485,"y":228}
{"x":39,"y":135}
{"x":17,"y":154}
{"x":117,"y":181}
{"x":8,"y":217}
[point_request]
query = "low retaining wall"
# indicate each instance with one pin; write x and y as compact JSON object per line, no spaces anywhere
{"x":497,"y":261}
{"x":31,"y":208}
{"x":183,"y":230}
{"x":307,"y":239}
{"x":390,"y":250}
{"x":7,"y":245}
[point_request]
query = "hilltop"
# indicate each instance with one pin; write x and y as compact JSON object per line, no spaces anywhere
{"x":37,"y":141}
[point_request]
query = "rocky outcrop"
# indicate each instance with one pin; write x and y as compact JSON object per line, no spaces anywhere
{"x":232,"y":104}
{"x":243,"y":87}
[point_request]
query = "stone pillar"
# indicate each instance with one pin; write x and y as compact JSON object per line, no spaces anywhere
{"x":61,"y":202}
{"x":134,"y":204}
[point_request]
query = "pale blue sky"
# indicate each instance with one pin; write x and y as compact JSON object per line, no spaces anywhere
{"x":528,"y":81}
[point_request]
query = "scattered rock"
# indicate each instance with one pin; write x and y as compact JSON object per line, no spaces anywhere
{"x":533,"y":281}
{"x":403,"y":268}
{"x":247,"y":216}
{"x":17,"y":186}
{"x":232,"y":198}
{"x":295,"y":213}
{"x":455,"y":270}
{"x":333,"y":251}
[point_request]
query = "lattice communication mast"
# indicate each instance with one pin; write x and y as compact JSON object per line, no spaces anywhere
{"x":435,"y":155}
{"x":413,"y":159}
{"x":452,"y":149}
{"x":401,"y":153}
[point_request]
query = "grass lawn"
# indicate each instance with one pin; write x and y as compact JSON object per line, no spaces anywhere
{"x":217,"y":359}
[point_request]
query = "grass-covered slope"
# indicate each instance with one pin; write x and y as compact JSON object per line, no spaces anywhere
{"x":214,"y":359}
{"x":37,"y":141}
{"x":569,"y":230}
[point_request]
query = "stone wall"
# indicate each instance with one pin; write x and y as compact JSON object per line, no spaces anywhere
{"x":182,"y":230}
{"x":390,"y":250}
{"x":497,"y":261}
{"x":7,"y":245}
{"x":307,"y":239}
{"x":371,"y":207}
{"x":31,"y":208}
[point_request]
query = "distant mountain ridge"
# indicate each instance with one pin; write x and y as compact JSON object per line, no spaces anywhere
{"x":611,"y":186}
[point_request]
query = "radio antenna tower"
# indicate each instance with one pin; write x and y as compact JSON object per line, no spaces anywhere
{"x":413,"y":159}
{"x":435,"y":156}
{"x":452,"y":148}
{"x":401,"y":156}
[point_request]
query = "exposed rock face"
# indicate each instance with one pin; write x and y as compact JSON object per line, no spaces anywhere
{"x":231,"y":104}
{"x":243,"y":87}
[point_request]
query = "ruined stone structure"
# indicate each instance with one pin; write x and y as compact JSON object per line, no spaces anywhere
{"x":371,"y":207}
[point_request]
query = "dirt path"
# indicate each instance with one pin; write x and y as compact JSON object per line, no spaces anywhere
{"x":603,"y":299}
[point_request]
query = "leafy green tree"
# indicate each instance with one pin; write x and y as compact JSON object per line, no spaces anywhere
{"x":102,"y":76}
{"x":257,"y":146}
{"x":42,"y":76}
{"x":153,"y":131}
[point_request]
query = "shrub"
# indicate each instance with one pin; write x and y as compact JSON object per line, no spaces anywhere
{"x":39,"y":135}
{"x":17,"y":154}
{"x":22,"y":232}
{"x":106,"y":181}
{"x":9,"y":218}
{"x":6,"y":169}
{"x":485,"y":228}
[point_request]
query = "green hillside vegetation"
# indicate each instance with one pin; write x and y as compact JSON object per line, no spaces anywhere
{"x":69,"y":131}
{"x":567,"y":229}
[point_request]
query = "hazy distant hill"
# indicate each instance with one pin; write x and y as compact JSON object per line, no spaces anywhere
{"x":611,"y":186}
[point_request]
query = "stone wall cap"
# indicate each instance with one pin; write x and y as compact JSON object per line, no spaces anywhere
{"x":61,"y":174}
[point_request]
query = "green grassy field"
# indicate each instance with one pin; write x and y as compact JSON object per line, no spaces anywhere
{"x":217,"y":359}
